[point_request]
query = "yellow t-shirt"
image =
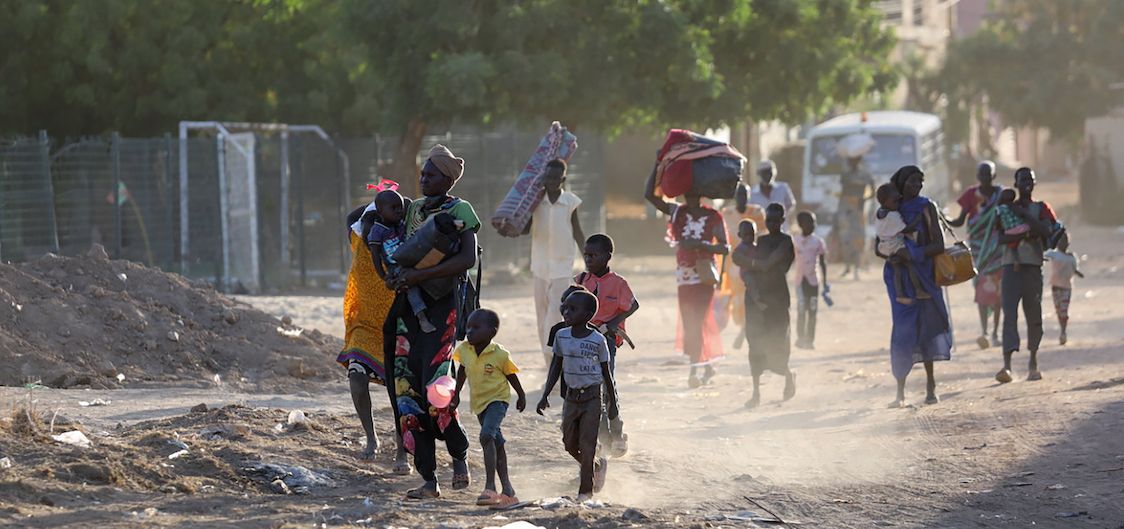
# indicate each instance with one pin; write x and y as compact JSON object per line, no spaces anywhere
{"x":486,"y":373}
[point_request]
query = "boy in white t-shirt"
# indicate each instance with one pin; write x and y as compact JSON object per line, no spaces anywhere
{"x":556,"y":235}
{"x":1063,"y":266}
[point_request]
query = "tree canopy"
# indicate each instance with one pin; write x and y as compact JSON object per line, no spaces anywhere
{"x":1040,"y":63}
{"x":402,"y":67}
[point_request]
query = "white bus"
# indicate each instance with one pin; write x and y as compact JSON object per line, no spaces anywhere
{"x":901,"y":138}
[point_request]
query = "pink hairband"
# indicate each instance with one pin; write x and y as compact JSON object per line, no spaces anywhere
{"x":383,"y":185}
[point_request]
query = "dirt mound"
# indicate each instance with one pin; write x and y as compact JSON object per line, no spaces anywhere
{"x":94,"y":322}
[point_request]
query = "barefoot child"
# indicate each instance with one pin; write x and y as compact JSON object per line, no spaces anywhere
{"x":810,"y":248}
{"x":892,"y":231}
{"x":1063,"y":266}
{"x":490,"y":373}
{"x":615,"y":303}
{"x":386,"y":235}
{"x":581,"y":356}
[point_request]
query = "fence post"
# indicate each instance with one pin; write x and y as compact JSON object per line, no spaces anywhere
{"x":286,"y":256}
{"x":300,"y":214}
{"x":48,"y":181}
{"x":115,"y":160}
{"x":170,"y":200}
{"x":222,"y":273}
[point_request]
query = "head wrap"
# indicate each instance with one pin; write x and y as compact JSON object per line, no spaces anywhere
{"x":449,"y":165}
{"x":902,"y":175}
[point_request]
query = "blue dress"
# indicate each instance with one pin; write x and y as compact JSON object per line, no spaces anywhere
{"x":921,"y":331}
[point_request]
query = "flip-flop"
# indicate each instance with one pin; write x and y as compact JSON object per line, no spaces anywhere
{"x":461,"y":481}
{"x":504,"y":503}
{"x":488,"y":498}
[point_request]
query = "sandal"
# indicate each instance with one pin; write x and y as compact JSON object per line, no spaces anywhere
{"x":461,"y":481}
{"x":488,"y":498}
{"x":423,"y":493}
{"x":504,"y":502}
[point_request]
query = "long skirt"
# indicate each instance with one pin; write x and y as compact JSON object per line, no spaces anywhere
{"x":418,"y":359}
{"x":769,"y":337}
{"x":366,"y":302}
{"x":701,"y":340}
{"x":921,"y":330}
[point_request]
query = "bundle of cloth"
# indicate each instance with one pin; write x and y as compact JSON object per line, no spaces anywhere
{"x":514,"y":212}
{"x":689,"y":161}
{"x":436,"y":239}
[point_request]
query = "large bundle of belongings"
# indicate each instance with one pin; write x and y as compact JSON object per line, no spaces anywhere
{"x":514,"y":212}
{"x":689,"y":162}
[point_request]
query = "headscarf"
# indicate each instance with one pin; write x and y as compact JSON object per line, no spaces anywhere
{"x":903,"y":174}
{"x":446,"y":162}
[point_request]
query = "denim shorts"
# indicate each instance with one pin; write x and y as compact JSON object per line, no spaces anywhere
{"x":491,"y":419}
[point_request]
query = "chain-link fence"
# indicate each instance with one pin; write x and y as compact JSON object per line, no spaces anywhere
{"x":264,"y":208}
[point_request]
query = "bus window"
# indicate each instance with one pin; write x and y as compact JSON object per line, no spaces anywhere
{"x":890,"y":152}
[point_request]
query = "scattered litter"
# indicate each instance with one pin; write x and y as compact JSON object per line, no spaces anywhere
{"x":1019,"y":484}
{"x":95,"y":402}
{"x":1071,"y":514}
{"x":552,"y":504}
{"x":74,"y":438}
{"x":147,"y":513}
{"x":122,"y":277}
{"x":5,"y":462}
{"x":177,"y":454}
{"x":224,"y":431}
{"x":217,"y":379}
{"x":178,"y":444}
{"x":120,"y":377}
{"x":290,"y":333}
{"x":173,"y":336}
{"x":634,"y":515}
{"x":1056,"y":486}
{"x":593,"y":504}
{"x":517,"y":525}
{"x":280,"y":487}
{"x":297,"y":419}
{"x":841,"y":500}
{"x":297,"y":478}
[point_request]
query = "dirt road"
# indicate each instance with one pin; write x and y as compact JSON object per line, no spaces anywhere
{"x":1042,"y":454}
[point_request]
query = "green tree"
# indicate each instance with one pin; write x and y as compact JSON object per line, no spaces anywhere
{"x":1041,"y":63}
{"x":609,"y":65}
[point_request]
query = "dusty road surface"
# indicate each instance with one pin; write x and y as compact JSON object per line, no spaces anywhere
{"x":1025,"y":454}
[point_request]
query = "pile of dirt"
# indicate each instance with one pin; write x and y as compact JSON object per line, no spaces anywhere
{"x":94,"y":322}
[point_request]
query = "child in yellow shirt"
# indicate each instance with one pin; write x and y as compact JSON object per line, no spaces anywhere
{"x":491,"y":374}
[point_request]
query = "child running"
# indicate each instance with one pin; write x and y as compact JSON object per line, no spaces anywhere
{"x":386,"y":236}
{"x":1063,"y":266}
{"x":615,"y":303}
{"x":810,"y":248}
{"x":490,"y":373}
{"x":581,"y":356}
{"x":892,"y":231}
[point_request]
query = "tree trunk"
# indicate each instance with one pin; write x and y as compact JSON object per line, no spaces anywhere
{"x":404,"y":168}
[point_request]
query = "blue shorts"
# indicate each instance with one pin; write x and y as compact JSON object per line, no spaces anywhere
{"x":491,"y":419}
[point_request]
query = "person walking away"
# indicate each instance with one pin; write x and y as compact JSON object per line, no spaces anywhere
{"x":419,"y":358}
{"x":767,"y":322}
{"x":581,"y":356}
{"x":770,"y":191}
{"x":615,"y":304}
{"x":1063,"y":266}
{"x":810,"y":251}
{"x":554,"y":229}
{"x":698,"y":233}
{"x":921,"y":329}
{"x":850,"y":219}
{"x":1022,"y":275}
{"x":487,"y":368}
{"x":979,"y":210}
